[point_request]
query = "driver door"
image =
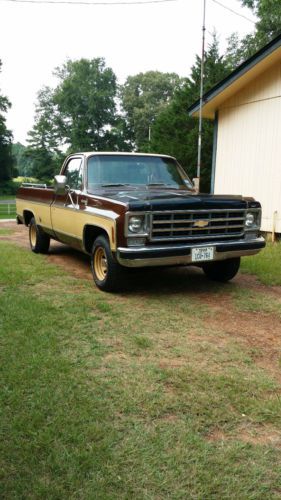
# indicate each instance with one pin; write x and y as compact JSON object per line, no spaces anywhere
{"x":65,"y":208}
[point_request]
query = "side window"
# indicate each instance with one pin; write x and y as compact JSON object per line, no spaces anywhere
{"x":73,"y":172}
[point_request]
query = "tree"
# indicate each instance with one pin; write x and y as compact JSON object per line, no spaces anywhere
{"x":267,"y":27}
{"x":43,"y":153}
{"x":80,"y":114}
{"x":85,"y":105}
{"x":268,"y":24}
{"x":6,"y":158}
{"x":23,"y":165}
{"x":176,"y":133}
{"x":143,"y":97}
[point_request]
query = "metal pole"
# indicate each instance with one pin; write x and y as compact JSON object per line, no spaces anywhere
{"x":201,"y":97}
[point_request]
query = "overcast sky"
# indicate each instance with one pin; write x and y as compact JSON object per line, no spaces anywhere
{"x":35,"y":38}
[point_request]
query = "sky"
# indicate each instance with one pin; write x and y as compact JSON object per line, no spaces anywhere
{"x":35,"y":38}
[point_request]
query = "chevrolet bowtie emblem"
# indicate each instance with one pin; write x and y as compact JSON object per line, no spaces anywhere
{"x":201,"y":223}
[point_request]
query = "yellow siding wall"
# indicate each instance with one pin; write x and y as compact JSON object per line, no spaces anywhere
{"x":248,"y":158}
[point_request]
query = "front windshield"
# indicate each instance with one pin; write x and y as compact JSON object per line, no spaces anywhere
{"x":129,"y":170}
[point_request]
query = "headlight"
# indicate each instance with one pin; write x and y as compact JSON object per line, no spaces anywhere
{"x":136,"y":224}
{"x":250,"y":220}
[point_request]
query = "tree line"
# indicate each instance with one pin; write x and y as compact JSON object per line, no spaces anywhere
{"x":89,"y":111}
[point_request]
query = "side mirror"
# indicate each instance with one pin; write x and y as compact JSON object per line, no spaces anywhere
{"x":196,"y":182}
{"x":60,"y":184}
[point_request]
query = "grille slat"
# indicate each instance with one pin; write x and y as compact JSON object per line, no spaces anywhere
{"x":191,"y":221}
{"x":202,"y":224}
{"x":175,"y":229}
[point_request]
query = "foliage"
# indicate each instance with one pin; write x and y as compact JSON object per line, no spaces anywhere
{"x":9,"y":188}
{"x":85,"y":104}
{"x":22,"y":163}
{"x":267,"y":27}
{"x":80,"y":114}
{"x":43,"y":153}
{"x":6,"y":158}
{"x":268,"y":24}
{"x":45,"y":163}
{"x":143,"y":96}
{"x":176,"y":133}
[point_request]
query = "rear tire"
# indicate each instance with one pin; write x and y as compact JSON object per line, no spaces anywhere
{"x":39,"y":241}
{"x":223,"y":270}
{"x":107,"y":273}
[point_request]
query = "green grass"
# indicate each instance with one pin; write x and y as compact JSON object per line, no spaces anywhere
{"x":7,"y":197}
{"x":5,"y":232}
{"x":256,"y":301}
{"x":5,"y":215}
{"x":266,"y":265}
{"x":4,"y":209}
{"x":120,"y":397}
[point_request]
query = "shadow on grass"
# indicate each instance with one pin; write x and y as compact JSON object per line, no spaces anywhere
{"x":149,"y":281}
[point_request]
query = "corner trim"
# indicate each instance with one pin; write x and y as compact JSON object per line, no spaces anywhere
{"x":214,"y":156}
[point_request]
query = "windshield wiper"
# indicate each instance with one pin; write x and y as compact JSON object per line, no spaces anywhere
{"x":115,"y":184}
{"x":156,"y":184}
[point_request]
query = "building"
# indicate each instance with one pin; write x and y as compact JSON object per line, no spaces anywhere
{"x":246,"y":108}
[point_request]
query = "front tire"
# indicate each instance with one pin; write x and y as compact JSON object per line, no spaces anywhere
{"x":107,"y":273}
{"x":39,"y":241}
{"x":223,"y":270}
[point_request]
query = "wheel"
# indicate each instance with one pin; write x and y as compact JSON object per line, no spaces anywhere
{"x":39,"y":241}
{"x":107,"y":273}
{"x":223,"y":270}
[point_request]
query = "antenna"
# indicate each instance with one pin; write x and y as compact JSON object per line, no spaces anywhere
{"x":201,"y":99}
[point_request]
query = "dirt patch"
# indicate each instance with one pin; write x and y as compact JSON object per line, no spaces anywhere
{"x":75,"y":262}
{"x":248,"y":280}
{"x":172,"y":363}
{"x":259,"y":332}
{"x":19,"y":233}
{"x":252,"y":434}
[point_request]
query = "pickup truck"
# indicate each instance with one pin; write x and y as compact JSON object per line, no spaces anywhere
{"x":139,"y":210}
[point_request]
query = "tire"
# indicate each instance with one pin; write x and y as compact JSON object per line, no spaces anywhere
{"x":223,"y":270}
{"x":39,"y":241}
{"x":107,"y":273}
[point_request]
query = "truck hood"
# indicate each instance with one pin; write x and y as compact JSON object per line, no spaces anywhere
{"x":172,"y":199}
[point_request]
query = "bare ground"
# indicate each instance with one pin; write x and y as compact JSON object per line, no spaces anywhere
{"x":257,"y":330}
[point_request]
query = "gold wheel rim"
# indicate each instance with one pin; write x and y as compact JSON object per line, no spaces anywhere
{"x":100,"y":263}
{"x":33,"y":235}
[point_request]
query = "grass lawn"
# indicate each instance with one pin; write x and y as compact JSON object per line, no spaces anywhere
{"x":121,"y":396}
{"x":4,"y":210}
{"x":6,"y":215}
{"x":266,"y":265}
{"x":7,"y":197}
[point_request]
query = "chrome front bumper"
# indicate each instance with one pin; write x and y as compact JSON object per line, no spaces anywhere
{"x":180,"y":254}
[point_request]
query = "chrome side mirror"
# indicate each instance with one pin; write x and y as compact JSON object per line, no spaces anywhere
{"x":196,"y":181}
{"x":60,"y":186}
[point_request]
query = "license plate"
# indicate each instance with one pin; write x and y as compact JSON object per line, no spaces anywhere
{"x":202,"y":254}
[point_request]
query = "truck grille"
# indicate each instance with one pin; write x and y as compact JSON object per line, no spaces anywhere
{"x":197,"y":225}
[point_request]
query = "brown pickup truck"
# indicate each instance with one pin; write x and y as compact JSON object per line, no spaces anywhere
{"x":136,"y":210}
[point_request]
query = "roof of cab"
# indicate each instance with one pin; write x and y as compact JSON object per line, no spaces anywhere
{"x":119,"y":153}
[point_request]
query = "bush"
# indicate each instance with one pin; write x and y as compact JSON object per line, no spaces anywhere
{"x":11,"y":187}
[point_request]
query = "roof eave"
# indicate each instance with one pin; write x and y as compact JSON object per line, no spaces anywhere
{"x":237,"y":74}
